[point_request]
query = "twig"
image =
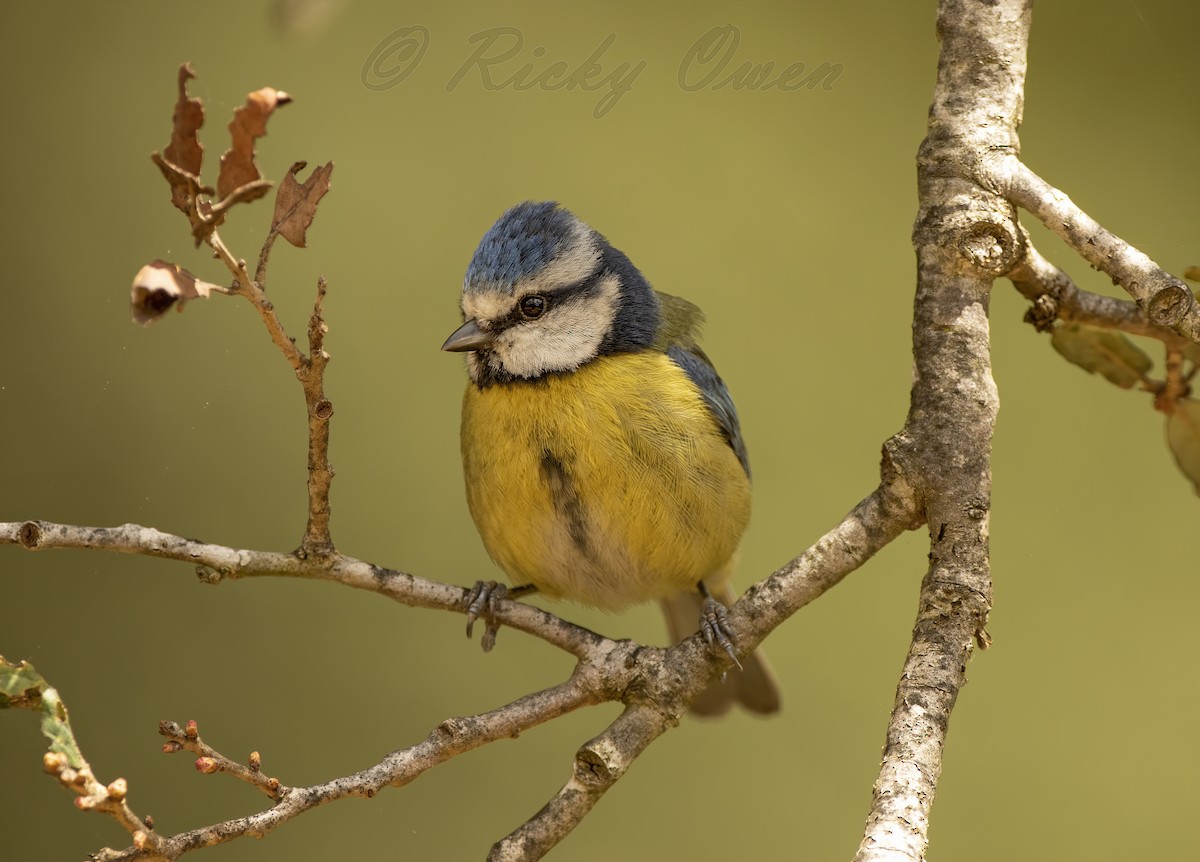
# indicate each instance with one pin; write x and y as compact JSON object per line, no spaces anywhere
{"x":317,"y":539}
{"x":310,"y":370}
{"x":264,"y":254}
{"x":1056,"y":296}
{"x":248,"y":288}
{"x":450,"y":738}
{"x":1166,"y":301}
{"x":216,"y":563}
{"x":187,"y":738}
{"x":105,"y":799}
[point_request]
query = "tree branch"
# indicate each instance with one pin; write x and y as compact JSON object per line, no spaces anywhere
{"x":310,"y":370}
{"x":1166,"y":301}
{"x":452,"y":737}
{"x":666,"y":688}
{"x":655,"y":684}
{"x":248,"y":288}
{"x":1056,"y":297}
{"x":216,"y":563}
{"x":598,"y":765}
{"x":317,"y":539}
{"x":965,"y":236}
{"x":187,"y":738}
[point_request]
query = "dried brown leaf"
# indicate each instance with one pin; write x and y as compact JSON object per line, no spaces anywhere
{"x":159,"y":285}
{"x":180,"y":161}
{"x":296,"y":203}
{"x":249,"y":123}
{"x":1183,"y":436}
{"x":1192,"y":273}
{"x":1102,"y":351}
{"x":185,"y":149}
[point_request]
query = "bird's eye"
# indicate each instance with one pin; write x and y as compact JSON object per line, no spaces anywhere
{"x":533,"y":306}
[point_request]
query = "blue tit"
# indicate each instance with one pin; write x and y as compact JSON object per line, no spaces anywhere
{"x":603,"y":458}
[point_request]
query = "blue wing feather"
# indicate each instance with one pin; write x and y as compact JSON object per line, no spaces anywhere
{"x":700,"y":371}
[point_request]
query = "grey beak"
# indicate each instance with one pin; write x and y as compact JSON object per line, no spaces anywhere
{"x":468,"y":337}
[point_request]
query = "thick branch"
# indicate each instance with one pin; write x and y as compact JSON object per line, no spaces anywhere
{"x":965,"y":236}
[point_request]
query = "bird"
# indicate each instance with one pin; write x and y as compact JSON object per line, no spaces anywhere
{"x":602,"y":453}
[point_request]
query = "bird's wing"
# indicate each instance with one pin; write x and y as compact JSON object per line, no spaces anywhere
{"x":679,"y":339}
{"x":681,"y":322}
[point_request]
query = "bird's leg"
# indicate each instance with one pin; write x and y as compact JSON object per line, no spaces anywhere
{"x":481,"y":602}
{"x":714,"y":624}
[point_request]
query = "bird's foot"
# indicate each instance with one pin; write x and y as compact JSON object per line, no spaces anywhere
{"x":714,"y":625}
{"x":481,"y":602}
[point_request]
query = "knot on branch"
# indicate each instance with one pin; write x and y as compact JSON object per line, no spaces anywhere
{"x":211,"y":576}
{"x":29,"y":535}
{"x":323,"y":409}
{"x":1042,"y":313}
{"x":1169,"y":305}
{"x":595,"y":764}
{"x":992,"y":246}
{"x":900,"y":465}
{"x":976,"y":510}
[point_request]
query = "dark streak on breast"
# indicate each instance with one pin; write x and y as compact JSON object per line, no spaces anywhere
{"x":565,"y":499}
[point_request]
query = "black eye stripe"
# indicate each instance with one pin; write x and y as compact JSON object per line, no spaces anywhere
{"x":558,"y":296}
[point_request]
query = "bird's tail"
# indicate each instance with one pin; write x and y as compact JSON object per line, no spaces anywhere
{"x":754,"y":686}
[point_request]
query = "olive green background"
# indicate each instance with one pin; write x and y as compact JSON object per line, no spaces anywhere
{"x":785,"y":215}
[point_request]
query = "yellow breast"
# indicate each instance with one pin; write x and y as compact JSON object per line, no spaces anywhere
{"x":610,"y":485}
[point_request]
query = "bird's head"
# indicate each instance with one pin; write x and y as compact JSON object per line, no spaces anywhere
{"x":544,"y":294}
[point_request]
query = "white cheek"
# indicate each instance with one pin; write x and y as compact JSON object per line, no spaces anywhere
{"x":568,"y":337}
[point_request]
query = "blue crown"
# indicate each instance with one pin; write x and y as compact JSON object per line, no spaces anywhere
{"x":521,"y":242}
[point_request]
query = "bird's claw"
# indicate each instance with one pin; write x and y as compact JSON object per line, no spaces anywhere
{"x":714,"y":625}
{"x":481,"y":602}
